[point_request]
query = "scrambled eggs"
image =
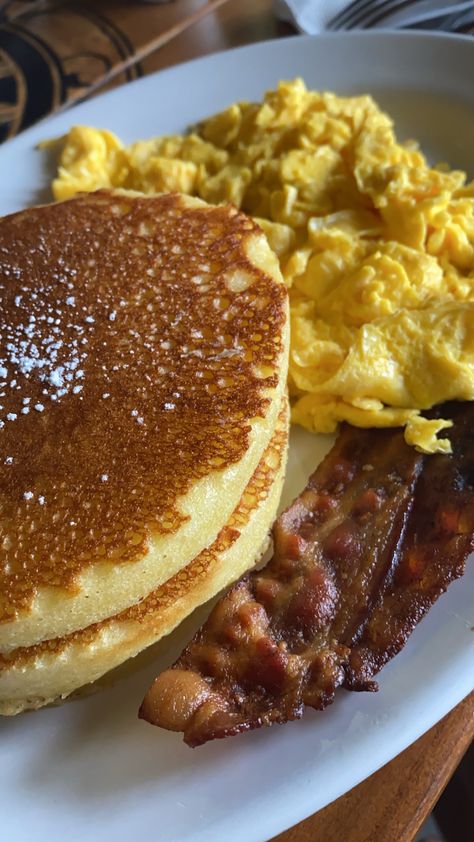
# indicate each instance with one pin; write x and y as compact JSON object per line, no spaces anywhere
{"x":377,"y":247}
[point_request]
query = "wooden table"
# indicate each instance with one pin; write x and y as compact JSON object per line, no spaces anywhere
{"x":391,"y":804}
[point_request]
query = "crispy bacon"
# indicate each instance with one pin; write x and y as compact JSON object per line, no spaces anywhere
{"x":437,"y":542}
{"x":272,"y":644}
{"x":360,"y":556}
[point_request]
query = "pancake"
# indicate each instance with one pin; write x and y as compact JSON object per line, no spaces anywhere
{"x":35,"y":676}
{"x":143,"y":358}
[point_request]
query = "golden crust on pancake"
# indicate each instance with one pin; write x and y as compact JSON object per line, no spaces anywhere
{"x":143,"y":359}
{"x":34,"y":676}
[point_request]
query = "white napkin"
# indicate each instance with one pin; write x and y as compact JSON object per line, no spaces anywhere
{"x":313,"y":16}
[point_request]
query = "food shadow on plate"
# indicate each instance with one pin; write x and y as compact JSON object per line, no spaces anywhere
{"x":96,"y":747}
{"x":416,"y":115}
{"x":99,"y":747}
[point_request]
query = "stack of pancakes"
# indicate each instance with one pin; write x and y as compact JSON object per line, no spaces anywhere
{"x":143,"y":426}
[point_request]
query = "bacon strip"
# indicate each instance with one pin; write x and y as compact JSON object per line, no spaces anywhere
{"x":438,"y":540}
{"x":273,"y":644}
{"x":360,"y":556}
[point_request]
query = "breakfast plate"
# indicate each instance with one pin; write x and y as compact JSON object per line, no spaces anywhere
{"x":90,"y":769}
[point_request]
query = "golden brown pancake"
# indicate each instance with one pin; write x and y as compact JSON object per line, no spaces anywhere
{"x":33,"y":676}
{"x":142,"y":362}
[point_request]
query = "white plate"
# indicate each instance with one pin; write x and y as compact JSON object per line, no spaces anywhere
{"x":90,"y":770}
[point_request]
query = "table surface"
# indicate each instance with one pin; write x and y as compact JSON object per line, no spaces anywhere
{"x":394,"y":802}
